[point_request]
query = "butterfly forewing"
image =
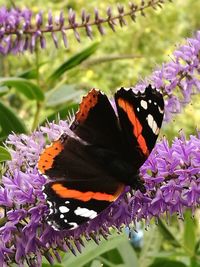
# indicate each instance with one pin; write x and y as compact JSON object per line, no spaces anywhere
{"x":140,"y":117}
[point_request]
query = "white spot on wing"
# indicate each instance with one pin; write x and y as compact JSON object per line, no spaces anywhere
{"x":49,"y":203}
{"x":73,"y":224}
{"x":152,"y":124}
{"x":45,"y":195}
{"x":50,"y":211}
{"x":143,"y":104}
{"x":160,"y":110}
{"x":63,"y":209}
{"x":150,"y":120}
{"x":85,"y":213}
{"x":150,"y":101}
{"x":138,"y":109}
{"x":155,"y":127}
{"x":62,"y":216}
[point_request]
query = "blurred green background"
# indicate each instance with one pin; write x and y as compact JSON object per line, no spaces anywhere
{"x":119,"y":59}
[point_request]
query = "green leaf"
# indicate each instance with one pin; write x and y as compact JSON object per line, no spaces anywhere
{"x":189,"y":231}
{"x":128,"y":255}
{"x":62,"y":94}
{"x":165,"y":262}
{"x":96,"y":263}
{"x":3,"y":90}
{"x":92,"y":251}
{"x":194,"y":262}
{"x":29,"y":74}
{"x":152,"y":244}
{"x":9,"y":122}
{"x":74,"y":61}
{"x":167,"y":234}
{"x":4,"y":154}
{"x":27,"y":88}
{"x":32,"y":72}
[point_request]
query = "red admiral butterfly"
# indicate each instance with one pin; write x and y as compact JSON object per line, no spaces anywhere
{"x":90,"y":171}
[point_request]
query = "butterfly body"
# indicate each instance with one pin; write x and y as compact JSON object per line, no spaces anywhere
{"x":88,"y":171}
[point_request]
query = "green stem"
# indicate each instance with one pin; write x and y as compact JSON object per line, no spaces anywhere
{"x":107,"y":262}
{"x":12,"y":3}
{"x":37,"y":115}
{"x":39,"y":105}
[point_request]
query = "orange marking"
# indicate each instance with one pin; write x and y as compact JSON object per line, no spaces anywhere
{"x":64,"y":192}
{"x":47,"y":157}
{"x":137,"y":127}
{"x":88,"y":102}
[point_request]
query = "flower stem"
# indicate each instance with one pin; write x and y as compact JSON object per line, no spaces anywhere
{"x":112,"y":19}
{"x":39,"y":104}
{"x":12,"y":3}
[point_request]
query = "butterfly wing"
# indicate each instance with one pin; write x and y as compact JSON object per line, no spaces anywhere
{"x":73,"y":203}
{"x":80,"y":164}
{"x":140,"y":117}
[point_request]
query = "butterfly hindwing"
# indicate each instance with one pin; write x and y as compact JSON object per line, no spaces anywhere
{"x":72,"y":203}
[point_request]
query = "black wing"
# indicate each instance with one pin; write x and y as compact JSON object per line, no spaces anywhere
{"x":140,"y":117}
{"x":81,"y":166}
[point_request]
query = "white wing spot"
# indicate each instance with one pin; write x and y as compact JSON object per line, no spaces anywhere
{"x":85,"y":213}
{"x":160,"y":110}
{"x":65,"y":220}
{"x":63,"y":209}
{"x":49,"y":203}
{"x":138,"y":109}
{"x":45,"y":195}
{"x":152,"y":124}
{"x":155,"y":128}
{"x":155,"y":104}
{"x":73,"y":224}
{"x":143,"y":104}
{"x":62,"y":216}
{"x":50,"y":211}
{"x":150,"y":101}
{"x":67,"y":202}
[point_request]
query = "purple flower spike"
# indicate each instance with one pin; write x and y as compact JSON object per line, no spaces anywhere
{"x":179,"y":79}
{"x":171,"y":178}
{"x":15,"y":21}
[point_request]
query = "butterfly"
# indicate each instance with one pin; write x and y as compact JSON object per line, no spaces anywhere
{"x":89,"y":170}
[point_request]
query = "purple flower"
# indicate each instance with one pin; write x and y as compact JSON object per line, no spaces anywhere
{"x":178,"y":79}
{"x":172,"y":182}
{"x":19,"y":33}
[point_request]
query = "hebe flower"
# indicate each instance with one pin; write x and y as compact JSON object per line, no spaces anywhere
{"x":21,"y":30}
{"x":172,"y":181}
{"x":179,"y":78}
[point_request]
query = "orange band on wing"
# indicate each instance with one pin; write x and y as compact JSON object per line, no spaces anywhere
{"x":47,"y":157}
{"x":137,"y":127}
{"x":64,"y":192}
